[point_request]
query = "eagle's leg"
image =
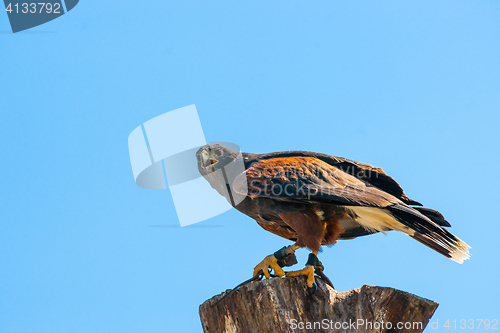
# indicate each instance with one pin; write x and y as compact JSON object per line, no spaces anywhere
{"x":281,"y":258}
{"x":308,"y":271}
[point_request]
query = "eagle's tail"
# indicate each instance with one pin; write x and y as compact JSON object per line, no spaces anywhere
{"x":431,"y":234}
{"x":447,"y":244}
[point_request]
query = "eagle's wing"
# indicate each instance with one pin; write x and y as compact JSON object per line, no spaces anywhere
{"x":309,"y":179}
{"x":365,"y":172}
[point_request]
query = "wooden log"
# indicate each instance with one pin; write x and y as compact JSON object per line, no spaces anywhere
{"x":282,"y":305}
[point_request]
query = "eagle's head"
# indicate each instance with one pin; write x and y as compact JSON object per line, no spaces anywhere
{"x":214,"y":157}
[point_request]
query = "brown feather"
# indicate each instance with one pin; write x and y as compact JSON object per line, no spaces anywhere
{"x":279,"y":230}
{"x":310,"y":229}
{"x":333,"y":230}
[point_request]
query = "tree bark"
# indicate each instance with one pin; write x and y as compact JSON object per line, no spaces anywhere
{"x":282,"y":305}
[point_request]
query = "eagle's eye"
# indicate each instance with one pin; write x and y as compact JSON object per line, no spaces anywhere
{"x":218,"y":152}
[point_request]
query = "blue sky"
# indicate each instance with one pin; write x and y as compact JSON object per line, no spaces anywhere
{"x":409,"y":87}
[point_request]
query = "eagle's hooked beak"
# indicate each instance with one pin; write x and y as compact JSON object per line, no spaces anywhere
{"x":208,"y":159}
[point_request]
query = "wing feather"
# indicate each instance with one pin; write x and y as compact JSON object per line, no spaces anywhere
{"x":365,"y":172}
{"x":310,"y":179}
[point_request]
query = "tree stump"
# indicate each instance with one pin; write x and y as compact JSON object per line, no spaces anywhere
{"x":283,"y":305}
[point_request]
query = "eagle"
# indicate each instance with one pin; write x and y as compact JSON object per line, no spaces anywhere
{"x":316,"y":199}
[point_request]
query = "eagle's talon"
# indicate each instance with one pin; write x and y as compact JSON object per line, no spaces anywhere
{"x":269,"y":262}
{"x":314,"y":288}
{"x":307,"y":271}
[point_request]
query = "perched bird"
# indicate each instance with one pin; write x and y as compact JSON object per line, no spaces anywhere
{"x":316,"y":199}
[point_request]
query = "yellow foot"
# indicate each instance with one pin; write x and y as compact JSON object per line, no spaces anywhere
{"x":269,"y":262}
{"x":306,"y":271}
